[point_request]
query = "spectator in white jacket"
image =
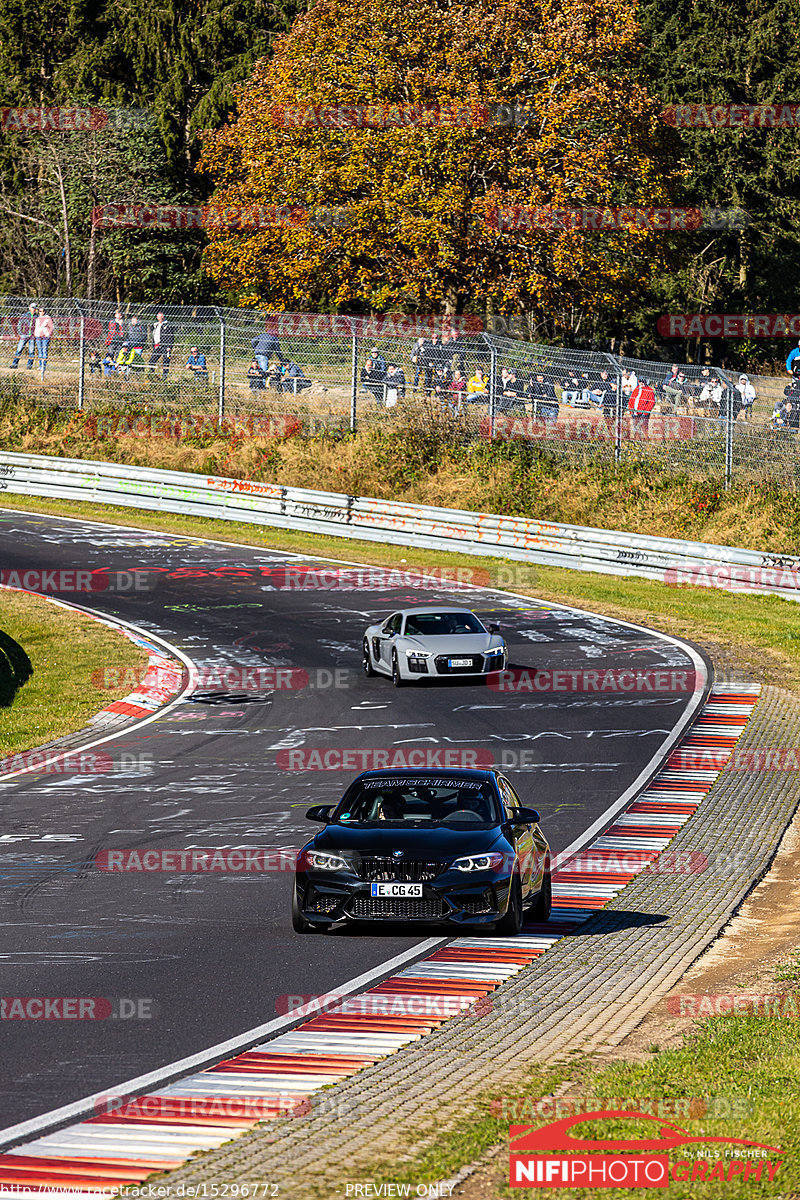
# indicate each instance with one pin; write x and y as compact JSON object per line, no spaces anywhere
{"x":42,"y":332}
{"x":629,"y":384}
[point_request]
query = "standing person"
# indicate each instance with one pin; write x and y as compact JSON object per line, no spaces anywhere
{"x":116,"y":334}
{"x":432,"y":361}
{"x":163,"y":342}
{"x":418,"y":360}
{"x":792,"y":358}
{"x":544,"y":402}
{"x":265,"y":347}
{"x":743,"y":397}
{"x":137,"y":335}
{"x":43,"y":330}
{"x":641,"y":404}
{"x":25,"y":327}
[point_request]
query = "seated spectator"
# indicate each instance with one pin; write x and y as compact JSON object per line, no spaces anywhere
{"x":597,"y":392}
{"x":641,"y":403}
{"x":712,"y":393}
{"x":786,"y":415}
{"x":744,"y":397}
{"x":629,"y":384}
{"x":129,"y":359}
{"x":196,"y":365}
{"x":510,"y":398}
{"x":457,"y":390}
{"x":255,"y":377}
{"x":544,"y":402}
{"x":395,"y":385}
{"x":570,"y":390}
{"x":293,"y":378}
{"x":109,"y":366}
{"x":94,"y":363}
{"x":274,"y":375}
{"x":670,"y":387}
{"x":477,"y":386}
{"x":373,"y":379}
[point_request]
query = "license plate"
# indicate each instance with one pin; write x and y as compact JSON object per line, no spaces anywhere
{"x":396,"y":889}
{"x":459,"y":662}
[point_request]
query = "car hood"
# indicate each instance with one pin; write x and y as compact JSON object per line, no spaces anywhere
{"x":441,"y":842}
{"x":454,"y":643}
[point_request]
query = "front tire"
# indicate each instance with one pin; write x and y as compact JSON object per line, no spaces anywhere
{"x":299,"y":923}
{"x":511,"y":923}
{"x":397,"y":678}
{"x":543,"y":904}
{"x":366,"y":660}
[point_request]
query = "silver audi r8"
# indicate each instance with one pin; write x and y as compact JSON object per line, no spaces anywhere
{"x":431,"y":643}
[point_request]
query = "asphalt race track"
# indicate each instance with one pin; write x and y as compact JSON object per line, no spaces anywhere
{"x":210,"y":955}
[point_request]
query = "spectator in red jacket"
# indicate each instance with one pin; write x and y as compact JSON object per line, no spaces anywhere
{"x":116,"y":335}
{"x":641,"y":404}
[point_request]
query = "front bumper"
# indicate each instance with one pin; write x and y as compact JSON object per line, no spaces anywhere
{"x":453,"y":898}
{"x":438,"y":666}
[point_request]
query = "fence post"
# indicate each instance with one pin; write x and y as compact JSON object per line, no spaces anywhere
{"x":221,"y":403}
{"x":729,"y":437}
{"x":82,"y":360}
{"x":354,"y":383}
{"x":617,"y":410}
{"x":492,"y":385}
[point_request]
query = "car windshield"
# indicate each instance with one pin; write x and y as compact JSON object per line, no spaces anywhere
{"x":443,"y":624}
{"x":419,"y":802}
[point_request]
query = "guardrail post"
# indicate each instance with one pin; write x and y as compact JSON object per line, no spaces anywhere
{"x":492,"y":385}
{"x":354,"y":383}
{"x":82,"y":359}
{"x":221,"y":401}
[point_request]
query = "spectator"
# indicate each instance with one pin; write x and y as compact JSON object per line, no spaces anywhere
{"x":629,"y":384}
{"x":544,"y":401}
{"x":787,"y":416}
{"x":596,"y":392}
{"x":25,"y":327}
{"x":373,"y":379}
{"x":743,"y":397}
{"x":395,"y":385}
{"x":137,"y":335}
{"x":570,"y":390}
{"x":94,"y":363}
{"x":43,"y":331}
{"x":116,"y":334}
{"x":457,"y":390}
{"x":641,"y":403}
{"x":794,"y":356}
{"x":454,"y":354}
{"x":432,"y":361}
{"x":670,"y":387}
{"x":163,"y":342}
{"x":378,"y":359}
{"x":255,"y":378}
{"x":478,"y":386}
{"x":510,"y":389}
{"x":713,"y":396}
{"x":197,"y":366}
{"x":418,"y":355}
{"x":608,"y":402}
{"x":293,"y":378}
{"x":129,"y":359}
{"x":109,"y":364}
{"x":274,"y":376}
{"x":266,"y":347}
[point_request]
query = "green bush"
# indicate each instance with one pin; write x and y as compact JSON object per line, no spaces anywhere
{"x":15,"y":669}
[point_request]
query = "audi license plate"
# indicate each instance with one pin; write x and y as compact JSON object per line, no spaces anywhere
{"x":396,"y":889}
{"x":459,"y":662}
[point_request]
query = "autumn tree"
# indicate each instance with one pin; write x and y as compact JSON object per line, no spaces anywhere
{"x":421,"y":198}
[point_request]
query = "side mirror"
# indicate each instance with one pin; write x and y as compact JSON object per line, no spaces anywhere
{"x":494,"y":629}
{"x":320,"y":813}
{"x":526,"y":816}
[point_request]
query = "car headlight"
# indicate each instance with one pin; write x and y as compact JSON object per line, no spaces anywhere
{"x":326,"y":862}
{"x":417,"y":654}
{"x":480,"y":862}
{"x":495,"y":650}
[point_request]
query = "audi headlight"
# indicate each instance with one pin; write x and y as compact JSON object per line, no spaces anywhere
{"x":417,"y":654}
{"x":326,"y":862}
{"x":496,"y":650}
{"x":480,"y":862}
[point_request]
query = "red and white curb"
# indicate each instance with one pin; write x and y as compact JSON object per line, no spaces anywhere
{"x":278,"y":1078}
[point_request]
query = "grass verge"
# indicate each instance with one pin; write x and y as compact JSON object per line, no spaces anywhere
{"x":741,"y":1068}
{"x":759,"y":633}
{"x":65,"y":648}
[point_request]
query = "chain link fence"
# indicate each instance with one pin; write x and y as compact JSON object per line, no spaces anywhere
{"x":282,"y":373}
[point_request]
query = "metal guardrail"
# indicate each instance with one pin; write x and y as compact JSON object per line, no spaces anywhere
{"x":575,"y":547}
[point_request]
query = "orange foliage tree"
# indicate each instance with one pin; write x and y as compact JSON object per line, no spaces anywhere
{"x":420,"y":197}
